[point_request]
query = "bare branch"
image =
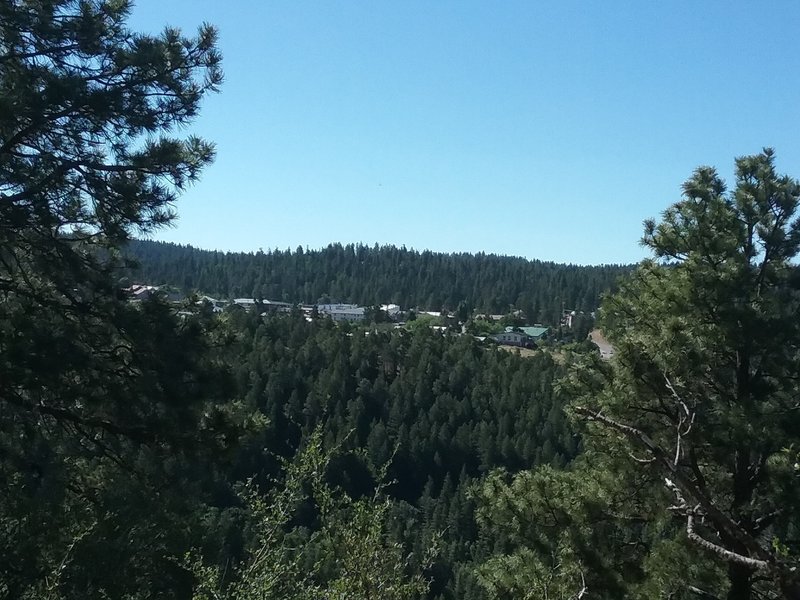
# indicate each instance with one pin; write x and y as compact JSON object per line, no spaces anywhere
{"x":641,"y":461}
{"x":702,"y":593}
{"x":723,"y":553}
{"x":721,"y":521}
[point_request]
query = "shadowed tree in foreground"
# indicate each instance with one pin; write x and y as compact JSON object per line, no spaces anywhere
{"x":99,"y":401}
{"x":693,"y":428}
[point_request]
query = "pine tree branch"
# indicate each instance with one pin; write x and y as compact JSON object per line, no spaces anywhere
{"x":722,"y":521}
{"x":723,"y":553}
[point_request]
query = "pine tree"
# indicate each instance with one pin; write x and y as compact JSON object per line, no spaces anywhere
{"x":704,"y":386}
{"x":95,"y":393}
{"x":688,"y":484}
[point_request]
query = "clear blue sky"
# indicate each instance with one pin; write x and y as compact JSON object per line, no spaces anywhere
{"x":545,"y":130}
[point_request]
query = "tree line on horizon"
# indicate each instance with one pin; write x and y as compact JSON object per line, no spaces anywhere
{"x":379,"y":275}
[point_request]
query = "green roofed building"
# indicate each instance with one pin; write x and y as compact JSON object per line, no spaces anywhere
{"x":537,"y":333}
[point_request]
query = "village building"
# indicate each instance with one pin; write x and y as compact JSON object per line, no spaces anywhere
{"x":392,"y":310}
{"x":343,"y":312}
{"x":521,"y":336}
{"x":276,"y":306}
{"x":141,"y":292}
{"x":247,"y":303}
{"x":216,"y":305}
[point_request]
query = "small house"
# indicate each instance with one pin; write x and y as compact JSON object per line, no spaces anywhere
{"x":520,"y":336}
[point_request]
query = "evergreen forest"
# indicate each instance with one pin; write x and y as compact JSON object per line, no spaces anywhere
{"x":381,"y":275}
{"x":159,"y":450}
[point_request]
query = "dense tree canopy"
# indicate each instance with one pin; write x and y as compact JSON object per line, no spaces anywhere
{"x":438,"y":412}
{"x":695,"y":421}
{"x":100,"y":403}
{"x":356,"y":273}
{"x":127,"y":430}
{"x":156,"y":451}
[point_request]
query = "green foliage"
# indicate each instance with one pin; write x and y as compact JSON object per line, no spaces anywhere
{"x":368,"y":276}
{"x":693,"y":417}
{"x":87,"y":106}
{"x":106,"y":409}
{"x":708,"y":362}
{"x":126,"y":429}
{"x":423,"y":321}
{"x":445,"y":408}
{"x":532,"y":518}
{"x":483,"y":327}
{"x":348,"y":556}
{"x":595,"y":526}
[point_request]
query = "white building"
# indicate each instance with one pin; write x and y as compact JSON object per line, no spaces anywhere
{"x":512,"y":338}
{"x":391,"y":309}
{"x":245,"y":302}
{"x":343,"y":312}
{"x":328,"y":307}
{"x":140,"y":292}
{"x":521,"y":336}
{"x":217,"y":305}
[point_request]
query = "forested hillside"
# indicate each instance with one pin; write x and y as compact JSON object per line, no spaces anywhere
{"x":369,"y":276}
{"x":152,"y":450}
{"x":436,"y":412}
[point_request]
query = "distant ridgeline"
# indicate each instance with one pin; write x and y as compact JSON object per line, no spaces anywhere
{"x":372,"y":275}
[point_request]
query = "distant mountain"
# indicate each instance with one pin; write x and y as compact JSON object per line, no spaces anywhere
{"x":380,"y":274}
